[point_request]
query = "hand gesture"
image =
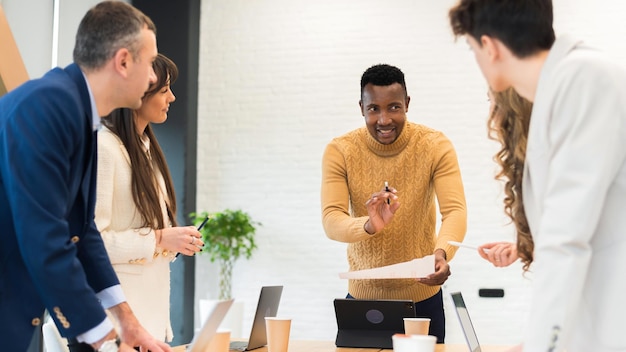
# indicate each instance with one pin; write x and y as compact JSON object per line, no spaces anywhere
{"x":500,"y":254}
{"x":183,"y":239}
{"x":380,"y":208}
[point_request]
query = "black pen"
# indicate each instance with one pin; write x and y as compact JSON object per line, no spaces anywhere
{"x":199,"y":228}
{"x":387,"y":190}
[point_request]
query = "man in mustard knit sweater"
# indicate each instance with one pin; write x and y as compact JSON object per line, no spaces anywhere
{"x":387,"y":227}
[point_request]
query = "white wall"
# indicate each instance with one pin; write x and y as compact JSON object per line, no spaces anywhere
{"x":31,"y":23}
{"x":280,"y":78}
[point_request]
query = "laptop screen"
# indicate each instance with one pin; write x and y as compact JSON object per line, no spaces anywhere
{"x":466,"y":322}
{"x":266,"y":307}
{"x":202,"y":339}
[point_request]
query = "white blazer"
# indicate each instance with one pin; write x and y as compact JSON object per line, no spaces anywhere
{"x":143,"y":271}
{"x":574,"y":191}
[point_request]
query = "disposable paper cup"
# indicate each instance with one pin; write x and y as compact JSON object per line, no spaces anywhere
{"x":416,"y":326}
{"x":277,"y":333}
{"x":220,"y":341}
{"x":413,"y":343}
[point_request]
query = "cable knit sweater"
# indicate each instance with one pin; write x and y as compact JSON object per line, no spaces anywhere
{"x":420,"y":164}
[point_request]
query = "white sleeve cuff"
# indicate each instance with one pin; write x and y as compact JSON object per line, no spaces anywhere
{"x":108,"y":297}
{"x":111,"y":296}
{"x":97,"y":333}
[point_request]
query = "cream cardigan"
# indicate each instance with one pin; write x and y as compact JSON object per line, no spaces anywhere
{"x":144,"y":275}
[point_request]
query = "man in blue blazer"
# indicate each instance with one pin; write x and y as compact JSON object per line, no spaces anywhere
{"x":51,"y":254}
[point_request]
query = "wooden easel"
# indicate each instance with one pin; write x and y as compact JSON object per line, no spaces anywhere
{"x":12,"y":69}
{"x":12,"y":74}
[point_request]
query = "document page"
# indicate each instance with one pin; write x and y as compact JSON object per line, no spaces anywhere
{"x":416,"y":268}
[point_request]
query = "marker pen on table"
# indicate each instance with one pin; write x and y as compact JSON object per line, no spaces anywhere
{"x":387,"y":190}
{"x":199,"y":228}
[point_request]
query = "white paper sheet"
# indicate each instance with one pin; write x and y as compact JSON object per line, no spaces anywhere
{"x":416,"y":268}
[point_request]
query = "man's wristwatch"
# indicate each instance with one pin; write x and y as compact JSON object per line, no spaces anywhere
{"x":112,"y":345}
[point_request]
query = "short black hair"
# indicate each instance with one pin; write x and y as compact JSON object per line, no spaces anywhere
{"x":383,"y":75}
{"x":524,"y":26}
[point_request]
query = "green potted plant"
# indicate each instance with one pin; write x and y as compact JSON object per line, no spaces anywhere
{"x":227,"y":236}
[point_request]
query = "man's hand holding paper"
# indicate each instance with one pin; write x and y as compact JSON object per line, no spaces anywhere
{"x":442,"y":270}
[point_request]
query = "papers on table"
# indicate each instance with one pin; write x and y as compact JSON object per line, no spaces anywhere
{"x":416,"y":268}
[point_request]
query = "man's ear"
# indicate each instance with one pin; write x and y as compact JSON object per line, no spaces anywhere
{"x":361,"y":107}
{"x":491,"y":47}
{"x":121,"y":61}
{"x":408,"y":100}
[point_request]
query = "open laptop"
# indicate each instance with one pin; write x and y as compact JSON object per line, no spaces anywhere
{"x":266,"y":307}
{"x":466,"y":322}
{"x":202,"y":338}
{"x":370,"y":323}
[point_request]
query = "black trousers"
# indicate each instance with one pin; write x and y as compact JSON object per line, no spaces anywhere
{"x":431,"y":308}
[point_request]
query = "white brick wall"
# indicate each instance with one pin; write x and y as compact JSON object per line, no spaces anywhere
{"x":279,"y":79}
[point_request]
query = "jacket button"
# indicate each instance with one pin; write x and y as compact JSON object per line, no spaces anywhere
{"x":36,"y":321}
{"x":75,"y":239}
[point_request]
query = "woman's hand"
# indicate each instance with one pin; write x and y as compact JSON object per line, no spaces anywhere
{"x":183,"y":239}
{"x":499,"y":254}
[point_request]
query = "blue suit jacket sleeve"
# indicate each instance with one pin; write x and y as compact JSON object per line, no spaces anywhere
{"x":52,"y":254}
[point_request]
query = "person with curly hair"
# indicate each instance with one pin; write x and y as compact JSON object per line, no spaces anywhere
{"x":509,"y":118}
{"x":574,"y":171}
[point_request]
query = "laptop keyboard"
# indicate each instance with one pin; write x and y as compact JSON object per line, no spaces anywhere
{"x":238,"y":345}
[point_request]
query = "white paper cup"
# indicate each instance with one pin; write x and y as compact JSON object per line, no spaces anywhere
{"x":416,"y":326}
{"x":220,"y":341}
{"x":413,"y":343}
{"x":277,"y":330}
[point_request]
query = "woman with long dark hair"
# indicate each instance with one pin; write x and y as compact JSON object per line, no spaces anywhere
{"x":136,"y":204}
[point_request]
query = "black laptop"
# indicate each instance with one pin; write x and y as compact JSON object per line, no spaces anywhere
{"x":266,"y":307}
{"x":370,"y":323}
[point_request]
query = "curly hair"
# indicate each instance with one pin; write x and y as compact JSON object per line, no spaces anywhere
{"x":508,"y":124}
